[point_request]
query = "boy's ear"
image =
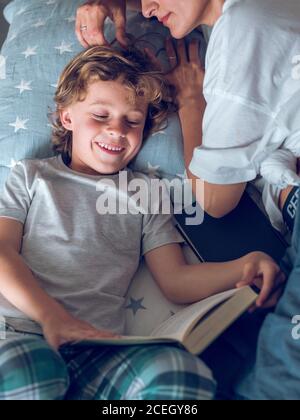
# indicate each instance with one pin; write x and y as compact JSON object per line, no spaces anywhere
{"x":65,"y":119}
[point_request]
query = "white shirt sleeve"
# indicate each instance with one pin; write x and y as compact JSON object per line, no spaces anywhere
{"x":237,"y":137}
{"x":280,"y":169}
{"x":247,"y":86}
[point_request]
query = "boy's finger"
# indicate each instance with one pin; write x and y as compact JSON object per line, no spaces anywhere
{"x":248,"y":276}
{"x":269,"y":275}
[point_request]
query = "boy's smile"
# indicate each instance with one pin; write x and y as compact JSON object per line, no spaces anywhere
{"x":107,"y":128}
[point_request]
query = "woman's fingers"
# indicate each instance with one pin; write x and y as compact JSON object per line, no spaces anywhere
{"x":182,"y":53}
{"x":194,"y":52}
{"x":93,"y":31}
{"x":89,"y":25}
{"x":171,"y":53}
{"x":78,"y":31}
{"x":153,"y":58}
{"x":119,"y":19}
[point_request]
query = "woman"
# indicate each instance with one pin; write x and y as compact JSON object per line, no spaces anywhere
{"x":250,"y":106}
{"x":250,"y":109}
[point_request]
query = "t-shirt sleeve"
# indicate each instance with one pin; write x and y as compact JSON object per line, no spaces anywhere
{"x":237,"y":137}
{"x":158,"y":225}
{"x":15,"y":199}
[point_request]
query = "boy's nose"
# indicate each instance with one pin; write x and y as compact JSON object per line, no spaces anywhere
{"x":117,"y":131}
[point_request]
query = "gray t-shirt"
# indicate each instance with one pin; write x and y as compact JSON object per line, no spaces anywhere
{"x":83,"y":259}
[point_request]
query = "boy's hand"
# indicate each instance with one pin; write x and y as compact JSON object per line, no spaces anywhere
{"x":90,"y":20}
{"x":59,"y":331}
{"x":187,"y":74}
{"x":261,"y":271}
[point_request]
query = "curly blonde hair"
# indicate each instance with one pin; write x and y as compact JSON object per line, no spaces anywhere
{"x":136,"y":71}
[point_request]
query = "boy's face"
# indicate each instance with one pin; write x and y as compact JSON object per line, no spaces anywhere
{"x":107,"y":128}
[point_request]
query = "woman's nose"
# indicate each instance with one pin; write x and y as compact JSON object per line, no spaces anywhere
{"x":149,"y":8}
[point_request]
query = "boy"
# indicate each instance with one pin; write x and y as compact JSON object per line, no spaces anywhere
{"x":65,"y":269}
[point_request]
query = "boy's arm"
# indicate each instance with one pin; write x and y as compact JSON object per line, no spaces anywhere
{"x":17,"y":283}
{"x":183,"y":283}
{"x":21,"y":289}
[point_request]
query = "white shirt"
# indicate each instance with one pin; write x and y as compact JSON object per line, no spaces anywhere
{"x":252,"y":89}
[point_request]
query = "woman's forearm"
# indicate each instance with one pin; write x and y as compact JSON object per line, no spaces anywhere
{"x":21,"y":289}
{"x":191,"y":117}
{"x":216,"y":200}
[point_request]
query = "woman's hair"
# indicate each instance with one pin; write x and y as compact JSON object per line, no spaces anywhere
{"x":135,"y":70}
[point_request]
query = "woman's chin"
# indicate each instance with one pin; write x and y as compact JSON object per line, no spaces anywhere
{"x":178,"y":33}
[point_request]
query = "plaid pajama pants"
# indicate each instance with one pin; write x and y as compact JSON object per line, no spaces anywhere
{"x":31,"y":370}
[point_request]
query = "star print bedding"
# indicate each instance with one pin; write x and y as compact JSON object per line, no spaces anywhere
{"x":40,"y":42}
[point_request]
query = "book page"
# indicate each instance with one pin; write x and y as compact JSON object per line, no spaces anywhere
{"x":178,"y":325}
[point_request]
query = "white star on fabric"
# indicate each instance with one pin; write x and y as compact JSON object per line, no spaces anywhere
{"x":24,"y":86}
{"x":2,"y":67}
{"x":64,"y":47}
{"x":30,"y":51}
{"x":54,"y":85}
{"x":162,"y":132}
{"x":135,"y":305}
{"x":39,"y":23}
{"x":13,"y":163}
{"x":12,"y":37}
{"x":21,"y":11}
{"x":19,"y":124}
{"x":153,"y":170}
{"x":71,"y":19}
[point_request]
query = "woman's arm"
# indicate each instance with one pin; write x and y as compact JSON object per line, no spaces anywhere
{"x":216,"y":200}
{"x":187,"y":77}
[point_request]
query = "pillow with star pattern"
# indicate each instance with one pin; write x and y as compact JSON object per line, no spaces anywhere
{"x":40,"y":42}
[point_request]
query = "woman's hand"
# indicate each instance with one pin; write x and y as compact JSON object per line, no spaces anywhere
{"x":187,"y":74}
{"x":90,"y":20}
{"x":58,"y":331}
{"x":261,"y":271}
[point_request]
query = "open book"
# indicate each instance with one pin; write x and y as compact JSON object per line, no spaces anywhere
{"x":196,"y":326}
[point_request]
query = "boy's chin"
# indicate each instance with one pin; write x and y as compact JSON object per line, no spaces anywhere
{"x":110,"y":169}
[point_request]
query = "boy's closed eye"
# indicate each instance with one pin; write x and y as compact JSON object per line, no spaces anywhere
{"x":128,"y":121}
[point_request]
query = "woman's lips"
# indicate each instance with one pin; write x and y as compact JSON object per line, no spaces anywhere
{"x":165,"y":19}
